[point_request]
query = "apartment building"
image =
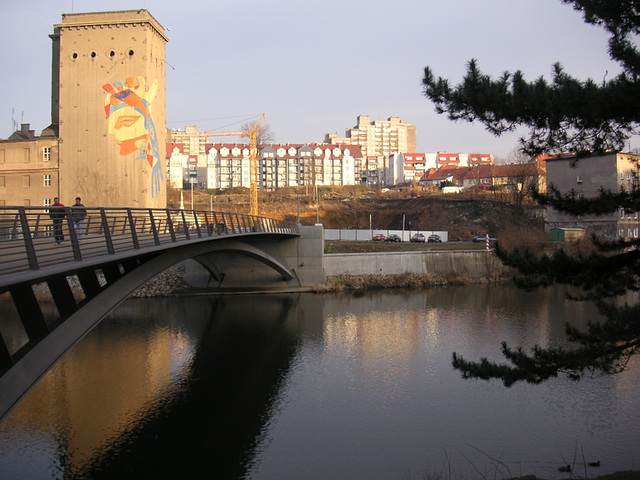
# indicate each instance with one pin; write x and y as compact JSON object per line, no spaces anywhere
{"x":378,"y":140}
{"x":194,"y":143}
{"x":227,"y":165}
{"x":586,"y":177}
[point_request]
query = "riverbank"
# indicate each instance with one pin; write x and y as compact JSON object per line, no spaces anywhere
{"x":345,"y":282}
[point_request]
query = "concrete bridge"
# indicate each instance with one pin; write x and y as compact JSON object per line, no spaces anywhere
{"x":88,"y":261}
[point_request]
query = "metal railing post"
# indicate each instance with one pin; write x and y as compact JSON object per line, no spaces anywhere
{"x":207,"y":223}
{"x":195,"y":219}
{"x":107,"y":233}
{"x":28,"y":241}
{"x":132,"y":227}
{"x":154,"y":229}
{"x":172,"y":232}
{"x":36,"y":227}
{"x":185,"y":226}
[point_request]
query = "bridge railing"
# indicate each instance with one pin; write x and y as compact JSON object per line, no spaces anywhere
{"x":36,"y":237}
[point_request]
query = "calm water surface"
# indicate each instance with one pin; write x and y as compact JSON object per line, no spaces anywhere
{"x":320,"y":387}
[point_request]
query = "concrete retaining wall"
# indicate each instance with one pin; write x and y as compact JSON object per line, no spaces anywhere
{"x":474,"y":263}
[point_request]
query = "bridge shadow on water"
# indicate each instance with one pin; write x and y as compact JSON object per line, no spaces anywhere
{"x":211,"y":427}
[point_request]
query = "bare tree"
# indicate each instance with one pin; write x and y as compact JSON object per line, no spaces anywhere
{"x":265,"y":134}
{"x":524,"y":176}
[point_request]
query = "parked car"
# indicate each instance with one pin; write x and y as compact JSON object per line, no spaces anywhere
{"x":417,"y":238}
{"x":434,"y":239}
{"x":482,"y":238}
{"x":393,"y":238}
{"x":378,"y":237}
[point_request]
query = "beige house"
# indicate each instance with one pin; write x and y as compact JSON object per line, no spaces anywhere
{"x":107,"y":135}
{"x":586,"y":177}
{"x":29,"y":168}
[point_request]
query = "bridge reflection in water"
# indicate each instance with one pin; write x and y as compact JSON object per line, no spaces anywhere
{"x":205,"y":361}
{"x":111,"y":252}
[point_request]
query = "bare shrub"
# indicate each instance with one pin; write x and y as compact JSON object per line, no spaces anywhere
{"x":523,"y":236}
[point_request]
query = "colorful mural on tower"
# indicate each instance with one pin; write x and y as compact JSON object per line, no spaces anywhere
{"x":128,"y":107}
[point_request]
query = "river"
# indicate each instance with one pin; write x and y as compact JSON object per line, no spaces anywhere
{"x":310,"y":386}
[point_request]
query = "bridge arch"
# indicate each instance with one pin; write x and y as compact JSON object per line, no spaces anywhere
{"x":248,"y":250}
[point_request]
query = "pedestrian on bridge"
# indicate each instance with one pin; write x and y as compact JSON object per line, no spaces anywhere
{"x":57,"y":214}
{"x":78,"y":214}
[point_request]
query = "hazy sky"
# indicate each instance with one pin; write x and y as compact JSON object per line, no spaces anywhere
{"x":314,"y":66}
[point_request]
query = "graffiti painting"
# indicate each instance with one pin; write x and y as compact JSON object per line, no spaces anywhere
{"x":128,"y":107}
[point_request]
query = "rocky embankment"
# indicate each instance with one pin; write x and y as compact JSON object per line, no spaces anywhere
{"x":162,"y":285}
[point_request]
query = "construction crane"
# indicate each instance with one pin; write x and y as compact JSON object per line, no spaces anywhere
{"x":253,"y":161}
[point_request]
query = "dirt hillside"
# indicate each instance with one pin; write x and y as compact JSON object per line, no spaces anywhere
{"x":462,"y":217}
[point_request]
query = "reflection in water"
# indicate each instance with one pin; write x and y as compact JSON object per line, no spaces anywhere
{"x":134,"y":398}
{"x":318,"y":386}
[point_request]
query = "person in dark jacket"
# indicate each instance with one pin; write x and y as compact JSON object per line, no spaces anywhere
{"x":78,"y":214}
{"x":57,"y":214}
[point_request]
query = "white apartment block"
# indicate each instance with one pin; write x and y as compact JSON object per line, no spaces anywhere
{"x":227,"y":165}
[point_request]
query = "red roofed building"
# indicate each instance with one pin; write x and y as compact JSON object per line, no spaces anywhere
{"x":515,"y":179}
{"x":415,"y":166}
{"x":480,"y":159}
{"x":443,"y":158}
{"x":226,"y":165}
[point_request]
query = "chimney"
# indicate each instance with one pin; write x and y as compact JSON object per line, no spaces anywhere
{"x":24,"y":130}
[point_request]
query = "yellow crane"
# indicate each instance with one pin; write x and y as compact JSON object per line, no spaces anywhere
{"x":253,"y":161}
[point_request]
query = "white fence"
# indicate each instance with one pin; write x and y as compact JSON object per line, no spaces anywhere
{"x":367,"y":235}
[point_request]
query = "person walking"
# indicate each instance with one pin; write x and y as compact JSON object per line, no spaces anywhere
{"x":78,"y":214}
{"x":57,"y":214}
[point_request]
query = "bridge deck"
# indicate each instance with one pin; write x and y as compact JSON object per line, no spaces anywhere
{"x":105,"y":232}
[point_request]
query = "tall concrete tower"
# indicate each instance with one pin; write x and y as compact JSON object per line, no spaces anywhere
{"x":108,"y":107}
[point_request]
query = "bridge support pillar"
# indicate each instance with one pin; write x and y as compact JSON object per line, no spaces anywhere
{"x":305,"y":255}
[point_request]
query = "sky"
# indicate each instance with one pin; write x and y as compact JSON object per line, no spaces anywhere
{"x":313,"y":66}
